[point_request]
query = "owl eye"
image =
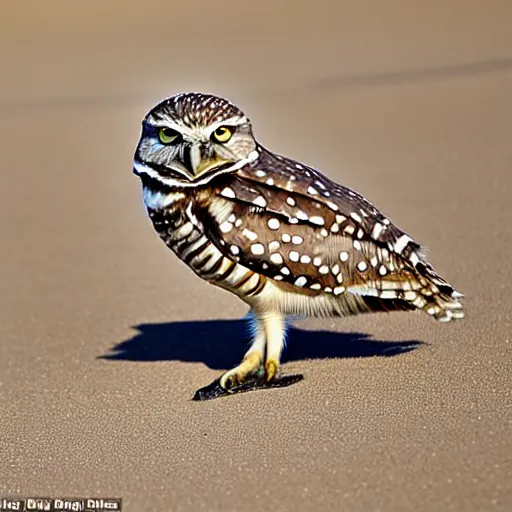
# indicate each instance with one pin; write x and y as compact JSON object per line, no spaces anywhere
{"x":222,"y":134}
{"x":168,"y":136}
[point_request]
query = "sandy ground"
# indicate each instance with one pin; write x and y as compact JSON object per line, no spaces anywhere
{"x":105,"y":335}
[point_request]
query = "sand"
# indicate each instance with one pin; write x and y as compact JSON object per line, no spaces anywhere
{"x":105,"y":335}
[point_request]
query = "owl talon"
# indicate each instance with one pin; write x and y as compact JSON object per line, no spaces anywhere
{"x":248,"y":368}
{"x":228,"y":382}
{"x":270,"y":370}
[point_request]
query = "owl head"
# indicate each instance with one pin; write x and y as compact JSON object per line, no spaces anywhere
{"x":189,"y":138}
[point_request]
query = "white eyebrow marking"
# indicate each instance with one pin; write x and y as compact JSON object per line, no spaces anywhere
{"x":232,"y":121}
{"x":168,"y":123}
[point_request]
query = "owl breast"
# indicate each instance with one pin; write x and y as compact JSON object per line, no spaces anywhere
{"x":173,"y":220}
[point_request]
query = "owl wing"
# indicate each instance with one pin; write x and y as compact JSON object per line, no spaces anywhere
{"x":290,"y":223}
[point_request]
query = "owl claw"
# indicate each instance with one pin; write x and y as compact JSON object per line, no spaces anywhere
{"x":248,"y":368}
{"x":228,"y":382}
{"x":270,"y":369}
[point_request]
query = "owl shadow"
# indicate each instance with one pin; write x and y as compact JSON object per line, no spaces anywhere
{"x":220,"y":344}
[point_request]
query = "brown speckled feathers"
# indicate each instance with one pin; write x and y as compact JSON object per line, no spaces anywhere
{"x":292,"y":224}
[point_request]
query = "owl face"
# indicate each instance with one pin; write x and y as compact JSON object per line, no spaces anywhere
{"x":189,"y":138}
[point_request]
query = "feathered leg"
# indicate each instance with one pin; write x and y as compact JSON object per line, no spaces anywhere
{"x":253,"y":358}
{"x":275,"y":331}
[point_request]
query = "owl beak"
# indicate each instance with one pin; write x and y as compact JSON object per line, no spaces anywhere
{"x":199,"y":160}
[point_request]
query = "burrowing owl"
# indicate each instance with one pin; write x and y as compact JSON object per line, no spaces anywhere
{"x":280,"y":235}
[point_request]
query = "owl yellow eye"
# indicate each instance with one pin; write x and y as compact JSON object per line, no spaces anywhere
{"x":222,"y":134}
{"x":168,"y":136}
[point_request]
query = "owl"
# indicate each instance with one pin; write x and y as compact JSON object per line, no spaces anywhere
{"x":280,"y":235}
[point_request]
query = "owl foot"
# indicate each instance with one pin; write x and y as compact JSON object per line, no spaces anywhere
{"x":214,"y":390}
{"x":248,"y":368}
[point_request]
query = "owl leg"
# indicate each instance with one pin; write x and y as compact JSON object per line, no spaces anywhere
{"x":252,"y":360}
{"x":275,"y":331}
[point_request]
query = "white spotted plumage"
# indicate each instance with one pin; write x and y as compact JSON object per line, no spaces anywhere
{"x":283,"y":237}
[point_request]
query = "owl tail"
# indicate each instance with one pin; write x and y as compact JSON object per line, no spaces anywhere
{"x":442,"y":301}
{"x":424,"y":290}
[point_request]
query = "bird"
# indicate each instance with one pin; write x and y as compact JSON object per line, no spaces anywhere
{"x":277,"y":233}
